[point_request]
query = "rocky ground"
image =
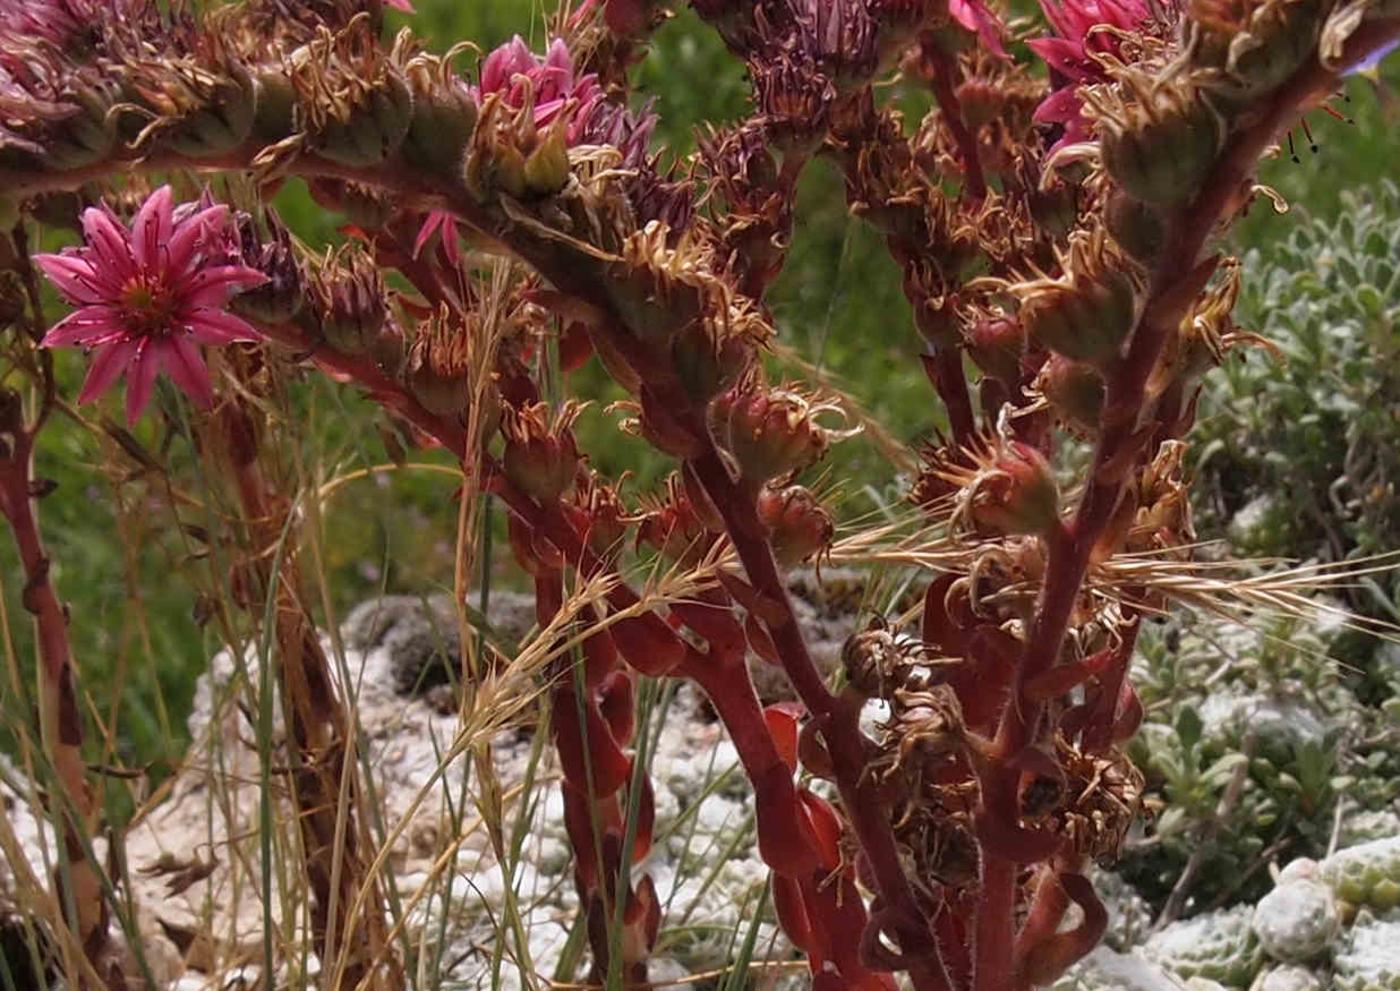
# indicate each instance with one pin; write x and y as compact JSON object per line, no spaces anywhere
{"x":193,"y":861}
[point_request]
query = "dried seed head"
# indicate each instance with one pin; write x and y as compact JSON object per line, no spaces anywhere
{"x":444,"y":110}
{"x":799,"y":527}
{"x":201,"y":105}
{"x":348,"y":300}
{"x":1003,"y":487}
{"x":1075,"y":391}
{"x":1159,"y":137}
{"x":673,"y":526}
{"x":1088,"y":313}
{"x":440,"y":365}
{"x":772,"y":433}
{"x":541,"y":458}
{"x":351,"y":100}
{"x":605,"y":516}
{"x":878,"y":660}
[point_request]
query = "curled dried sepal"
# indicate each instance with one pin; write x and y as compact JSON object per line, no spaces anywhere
{"x":541,"y":458}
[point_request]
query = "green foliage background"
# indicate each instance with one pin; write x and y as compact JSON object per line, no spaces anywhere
{"x":118,"y":553}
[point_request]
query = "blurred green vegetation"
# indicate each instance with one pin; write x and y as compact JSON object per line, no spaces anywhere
{"x":120,"y":556}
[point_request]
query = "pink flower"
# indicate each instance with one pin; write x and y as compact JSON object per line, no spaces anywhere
{"x":149,"y":296}
{"x":404,"y":5}
{"x":1079,"y":26}
{"x":974,"y":16}
{"x":512,"y":71}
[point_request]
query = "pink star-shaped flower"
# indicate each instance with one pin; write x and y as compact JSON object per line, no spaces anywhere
{"x":148,"y":297}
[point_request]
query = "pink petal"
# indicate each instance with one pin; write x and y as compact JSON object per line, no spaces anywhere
{"x":150,"y":231}
{"x":1058,"y":107}
{"x":141,"y":380}
{"x":74,"y":277}
{"x":216,"y":327}
{"x":109,"y":242}
{"x":1065,"y":56}
{"x":212,"y":286}
{"x":403,"y":5}
{"x":431,"y":224}
{"x":188,"y":236}
{"x":89,"y":326}
{"x":108,"y":363}
{"x":185,"y":366}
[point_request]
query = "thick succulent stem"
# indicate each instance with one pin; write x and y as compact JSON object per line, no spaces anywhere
{"x":77,"y":880}
{"x":1125,"y":432}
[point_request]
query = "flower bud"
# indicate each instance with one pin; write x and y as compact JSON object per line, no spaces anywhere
{"x":541,"y":458}
{"x":1086,"y":320}
{"x":349,"y":302}
{"x":1075,"y":391}
{"x":494,"y":160}
{"x":798,"y":526}
{"x":547,"y":166}
{"x":996,"y":345}
{"x":279,"y":299}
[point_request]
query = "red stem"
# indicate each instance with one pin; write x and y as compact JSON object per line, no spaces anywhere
{"x":941,"y":66}
{"x":77,"y":881}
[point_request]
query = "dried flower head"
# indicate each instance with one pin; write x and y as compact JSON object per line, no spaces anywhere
{"x":148,"y":296}
{"x":1001,"y":486}
{"x":541,"y":457}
